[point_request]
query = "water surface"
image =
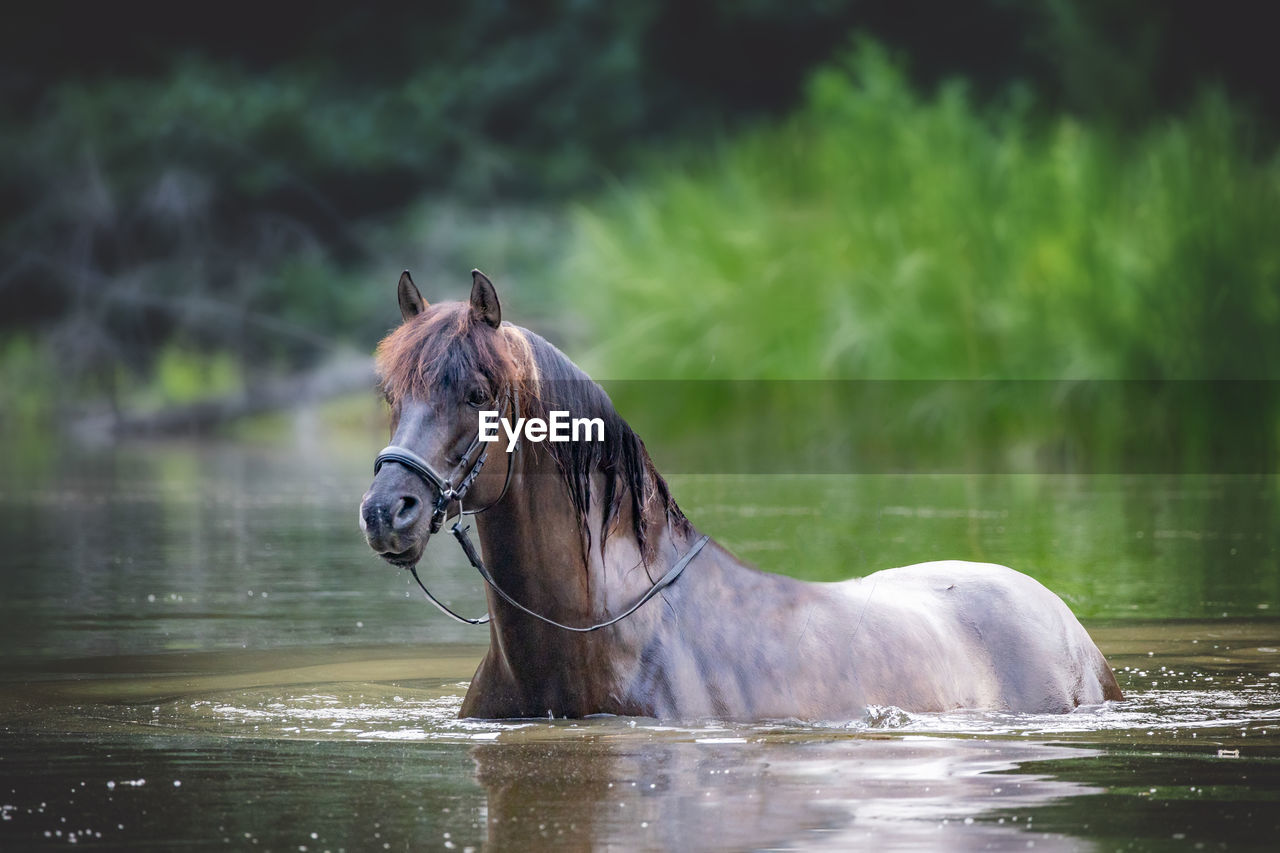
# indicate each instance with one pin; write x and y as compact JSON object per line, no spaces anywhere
{"x":199,"y":649}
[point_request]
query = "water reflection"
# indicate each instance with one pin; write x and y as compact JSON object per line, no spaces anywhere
{"x":175,"y":547}
{"x":363,"y":747}
{"x":212,"y":618}
{"x":720,"y":794}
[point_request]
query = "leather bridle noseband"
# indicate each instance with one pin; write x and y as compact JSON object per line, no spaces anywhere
{"x":447,"y":493}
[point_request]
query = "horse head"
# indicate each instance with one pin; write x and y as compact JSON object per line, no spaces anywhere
{"x":443,"y":365}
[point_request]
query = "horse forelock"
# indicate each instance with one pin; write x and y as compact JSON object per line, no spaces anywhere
{"x":445,"y":346}
{"x":522,"y":352}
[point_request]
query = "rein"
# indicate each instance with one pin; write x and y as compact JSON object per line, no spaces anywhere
{"x":447,"y":493}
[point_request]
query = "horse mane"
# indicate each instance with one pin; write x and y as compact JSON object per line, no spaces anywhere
{"x":446,"y":345}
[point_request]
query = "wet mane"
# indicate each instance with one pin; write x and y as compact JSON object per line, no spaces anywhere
{"x":445,"y":346}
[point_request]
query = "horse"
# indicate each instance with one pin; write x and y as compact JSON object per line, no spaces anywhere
{"x":603,"y":598}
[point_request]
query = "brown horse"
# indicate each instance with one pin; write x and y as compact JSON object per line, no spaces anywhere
{"x":581,"y":532}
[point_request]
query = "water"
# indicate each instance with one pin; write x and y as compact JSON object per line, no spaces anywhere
{"x":200,"y":650}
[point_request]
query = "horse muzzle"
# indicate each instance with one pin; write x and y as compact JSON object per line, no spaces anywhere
{"x":396,"y":526}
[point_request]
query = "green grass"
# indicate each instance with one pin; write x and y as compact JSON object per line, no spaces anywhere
{"x":882,"y":234}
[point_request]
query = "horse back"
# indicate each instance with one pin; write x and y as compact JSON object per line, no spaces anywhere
{"x":980,"y":635}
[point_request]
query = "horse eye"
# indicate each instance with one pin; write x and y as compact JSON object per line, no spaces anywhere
{"x":477,"y":397}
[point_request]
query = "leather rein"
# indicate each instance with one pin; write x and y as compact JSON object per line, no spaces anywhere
{"x":447,"y":493}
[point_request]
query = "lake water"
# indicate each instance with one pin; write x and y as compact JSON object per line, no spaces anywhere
{"x":199,"y":649}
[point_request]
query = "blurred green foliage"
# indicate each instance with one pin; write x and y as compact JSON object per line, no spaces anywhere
{"x":25,"y":372}
{"x":183,"y":376}
{"x":182,"y":186}
{"x":879,"y":233}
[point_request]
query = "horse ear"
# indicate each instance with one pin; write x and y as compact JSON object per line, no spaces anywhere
{"x":411,"y":302}
{"x":484,"y":300}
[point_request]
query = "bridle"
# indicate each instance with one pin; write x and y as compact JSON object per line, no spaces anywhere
{"x":447,"y":493}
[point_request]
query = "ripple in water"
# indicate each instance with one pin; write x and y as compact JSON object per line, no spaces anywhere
{"x":431,"y":715}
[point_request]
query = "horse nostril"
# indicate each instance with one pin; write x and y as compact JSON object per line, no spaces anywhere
{"x":405,"y":512}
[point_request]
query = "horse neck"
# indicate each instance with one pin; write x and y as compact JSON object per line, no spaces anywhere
{"x":533,"y":546}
